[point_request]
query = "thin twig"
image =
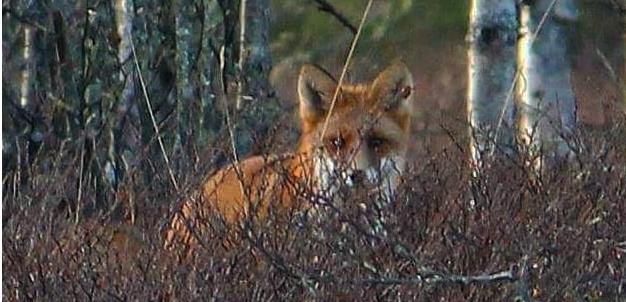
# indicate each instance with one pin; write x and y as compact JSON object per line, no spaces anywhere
{"x":518,"y":73}
{"x":149,"y":105}
{"x":229,"y":126}
{"x":433,"y":278}
{"x":29,"y":20}
{"x":80,"y":183}
{"x":231,"y":132}
{"x":324,"y":6}
{"x":517,"y":274}
{"x":619,"y":6}
{"x":345,"y":66}
{"x":242,"y":49}
{"x":608,"y":67}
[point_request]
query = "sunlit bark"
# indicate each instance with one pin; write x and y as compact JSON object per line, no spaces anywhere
{"x":547,"y":103}
{"x":491,"y":70}
{"x":28,"y":61}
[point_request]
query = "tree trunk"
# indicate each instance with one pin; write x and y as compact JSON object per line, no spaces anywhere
{"x":123,"y":24}
{"x":187,"y":32}
{"x":32,"y":80}
{"x":547,"y":103}
{"x":28,"y":58}
{"x":491,"y":112}
{"x":210,"y":118}
{"x":254,"y":56}
{"x":157,"y":70}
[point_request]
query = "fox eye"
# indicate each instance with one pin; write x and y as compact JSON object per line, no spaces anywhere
{"x":336,"y":143}
{"x":376,"y":142}
{"x":405,"y":92}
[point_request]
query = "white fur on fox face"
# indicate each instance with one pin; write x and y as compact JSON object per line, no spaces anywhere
{"x":330,"y":175}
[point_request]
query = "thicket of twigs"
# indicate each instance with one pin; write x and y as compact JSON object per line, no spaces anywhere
{"x":87,"y":193}
{"x":507,"y":233}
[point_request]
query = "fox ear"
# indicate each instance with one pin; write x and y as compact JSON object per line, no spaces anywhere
{"x":394,"y":88}
{"x":315,"y":89}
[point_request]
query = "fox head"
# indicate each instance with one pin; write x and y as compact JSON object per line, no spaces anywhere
{"x":362,"y":141}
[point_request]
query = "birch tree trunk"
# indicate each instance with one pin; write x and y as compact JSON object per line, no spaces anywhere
{"x":32,"y":80}
{"x":547,"y":103}
{"x":491,"y":70}
{"x":26,"y":92}
{"x":28,"y":58}
{"x":123,"y":24}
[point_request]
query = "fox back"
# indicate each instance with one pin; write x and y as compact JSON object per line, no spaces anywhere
{"x":353,"y":136}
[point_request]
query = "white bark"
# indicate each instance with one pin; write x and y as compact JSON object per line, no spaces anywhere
{"x":123,"y":25}
{"x":547,"y":103}
{"x":27,"y":76}
{"x":242,"y":51}
{"x":123,"y":20}
{"x":491,"y":70}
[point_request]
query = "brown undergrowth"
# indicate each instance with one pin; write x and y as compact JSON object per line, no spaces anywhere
{"x":507,"y":233}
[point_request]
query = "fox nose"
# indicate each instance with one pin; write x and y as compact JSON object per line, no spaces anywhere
{"x":357,"y":177}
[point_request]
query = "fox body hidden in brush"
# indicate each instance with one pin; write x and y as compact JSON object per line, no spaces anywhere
{"x":359,"y":143}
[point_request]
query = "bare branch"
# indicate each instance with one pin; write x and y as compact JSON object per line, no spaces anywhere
{"x":24,"y":19}
{"x":324,"y":6}
{"x":154,"y":123}
{"x":345,"y":66}
{"x":434,"y":278}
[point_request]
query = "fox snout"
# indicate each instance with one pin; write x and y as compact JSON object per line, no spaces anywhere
{"x":365,"y":168}
{"x":359,"y":137}
{"x":355,"y":178}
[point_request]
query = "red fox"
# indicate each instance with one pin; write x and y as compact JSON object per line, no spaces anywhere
{"x":361,"y":139}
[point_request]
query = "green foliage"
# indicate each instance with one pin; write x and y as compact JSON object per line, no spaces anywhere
{"x":299,"y":27}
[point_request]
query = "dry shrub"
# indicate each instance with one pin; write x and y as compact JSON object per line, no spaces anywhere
{"x":554,"y":236}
